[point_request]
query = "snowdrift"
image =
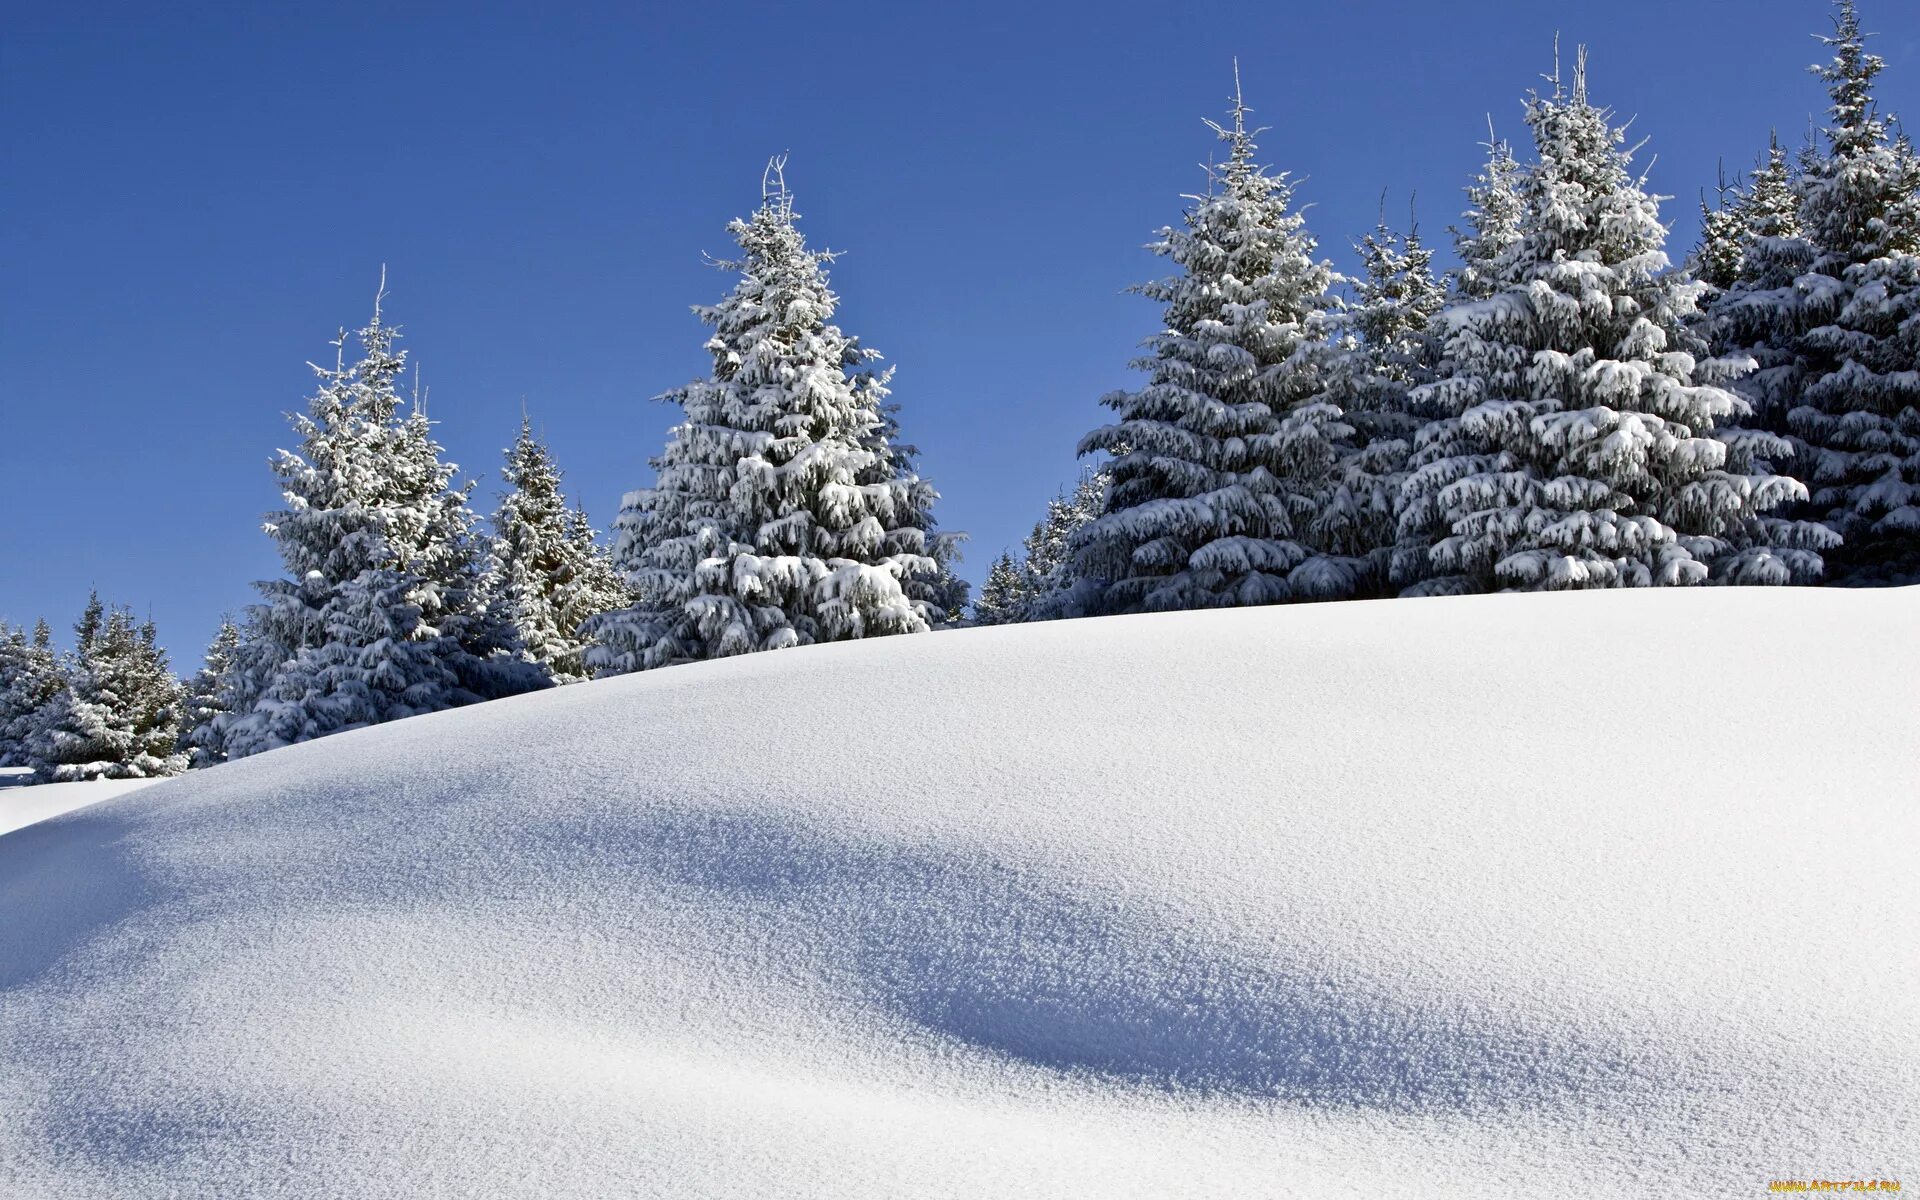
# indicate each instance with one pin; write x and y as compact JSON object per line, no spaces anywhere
{"x":1598,"y":894}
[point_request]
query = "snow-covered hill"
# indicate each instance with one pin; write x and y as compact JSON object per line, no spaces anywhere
{"x":21,"y":806}
{"x":1597,"y":894}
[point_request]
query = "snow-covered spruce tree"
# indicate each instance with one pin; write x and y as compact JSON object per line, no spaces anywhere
{"x":782,"y":514}
{"x":1756,"y":314}
{"x":1048,"y":562}
{"x":1492,"y":221}
{"x":551,"y":575}
{"x":1747,"y":318}
{"x":1218,"y":462}
{"x":30,"y":677}
{"x":1384,"y":347}
{"x":206,"y":697}
{"x":1572,"y":444}
{"x":1723,"y":238}
{"x":1856,"y":423}
{"x":385,"y":612}
{"x":119,"y":715}
{"x":1039,"y":584}
{"x":1004,"y":596}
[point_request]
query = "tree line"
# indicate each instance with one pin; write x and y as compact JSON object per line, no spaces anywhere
{"x":1565,"y":409}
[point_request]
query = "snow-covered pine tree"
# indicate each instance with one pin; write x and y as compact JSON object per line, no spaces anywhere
{"x":1572,"y":443}
{"x":1004,"y":596}
{"x":119,"y":715}
{"x":1749,"y":321}
{"x":1492,"y":220}
{"x":551,"y":575}
{"x":31,"y":675}
{"x":782,"y":514}
{"x":1856,"y":423}
{"x":385,"y":612}
{"x":1217,"y":463}
{"x":1048,"y":561}
{"x":1038,"y":585}
{"x":1723,"y":238}
{"x":1383,"y":348}
{"x":1756,"y":314}
{"x":205,"y":697}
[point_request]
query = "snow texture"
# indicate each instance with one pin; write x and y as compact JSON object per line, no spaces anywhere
{"x":1301,"y":918}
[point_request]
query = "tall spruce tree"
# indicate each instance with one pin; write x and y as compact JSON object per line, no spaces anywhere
{"x":1856,"y":423}
{"x":1754,"y":265}
{"x":1385,"y":346}
{"x":1756,"y":314}
{"x":552,"y":575}
{"x":206,"y":697}
{"x":386,"y":611}
{"x":119,"y":715}
{"x":31,"y":675}
{"x":783,"y":513}
{"x":1218,"y":462}
{"x":1572,"y":444}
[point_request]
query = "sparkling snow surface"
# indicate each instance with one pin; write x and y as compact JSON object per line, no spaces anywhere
{"x":1594,"y":894}
{"x":23,"y":805}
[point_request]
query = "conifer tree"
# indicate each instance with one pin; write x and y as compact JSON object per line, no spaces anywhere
{"x":386,"y":611}
{"x":783,"y":512}
{"x":552,"y":576}
{"x":119,"y":715}
{"x":1004,"y":596}
{"x":1755,"y":315}
{"x":1492,"y":220}
{"x":1385,"y":346}
{"x":31,"y":675}
{"x":1572,"y":444}
{"x":1856,"y":423}
{"x":1724,"y":239}
{"x":1218,"y":461}
{"x":1038,"y":586}
{"x":206,"y":696}
{"x":1751,"y":300}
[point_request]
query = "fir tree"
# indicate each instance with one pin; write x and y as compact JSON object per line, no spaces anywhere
{"x":1039,"y":585}
{"x":1005,"y":596}
{"x":31,"y":675}
{"x":1573,"y":445}
{"x":1384,"y":348}
{"x":206,"y":696}
{"x":1217,"y":462}
{"x":783,"y":512}
{"x":552,"y":575}
{"x":1755,"y":315}
{"x":119,"y":715}
{"x":386,"y":611}
{"x":1856,"y":423}
{"x":1746,"y":319}
{"x":1717,"y":260}
{"x":1492,"y":221}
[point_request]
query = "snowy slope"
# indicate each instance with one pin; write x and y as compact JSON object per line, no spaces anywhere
{"x":21,"y":806}
{"x":1593,"y":894}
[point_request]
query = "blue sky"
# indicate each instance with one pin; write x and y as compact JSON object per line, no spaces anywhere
{"x":195,"y":197}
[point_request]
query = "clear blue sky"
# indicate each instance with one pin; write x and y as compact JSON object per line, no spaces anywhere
{"x":195,"y":197}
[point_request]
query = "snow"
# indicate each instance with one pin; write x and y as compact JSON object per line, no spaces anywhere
{"x":1600,"y":894}
{"x":21,"y":806}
